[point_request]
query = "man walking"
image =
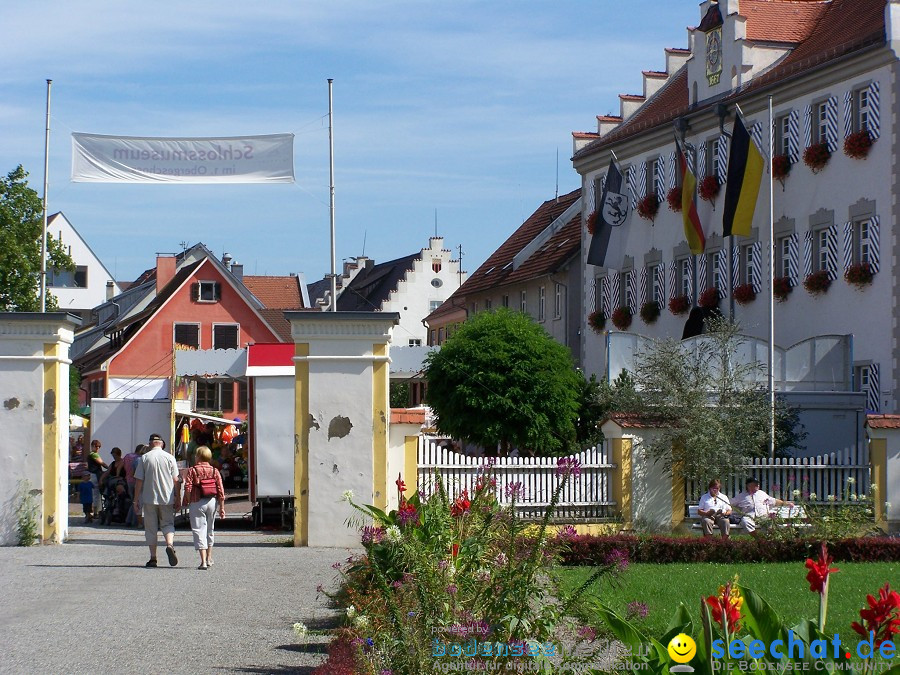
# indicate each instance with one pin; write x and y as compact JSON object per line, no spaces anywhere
{"x":156,"y":490}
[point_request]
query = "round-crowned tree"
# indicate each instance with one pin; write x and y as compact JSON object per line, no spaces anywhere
{"x":502,"y":382}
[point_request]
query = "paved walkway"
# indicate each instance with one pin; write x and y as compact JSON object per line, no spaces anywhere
{"x":90,"y":606}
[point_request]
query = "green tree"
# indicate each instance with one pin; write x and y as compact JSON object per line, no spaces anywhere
{"x":21,"y":222}
{"x":501,"y":382}
{"x":711,"y":405}
{"x":599,"y":398}
{"x":399,"y":394}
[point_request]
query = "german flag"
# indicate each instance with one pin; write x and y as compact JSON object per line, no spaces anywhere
{"x":745,"y":169}
{"x":693,"y":230}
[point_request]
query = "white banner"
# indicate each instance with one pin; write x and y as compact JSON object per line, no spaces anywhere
{"x":129,"y":159}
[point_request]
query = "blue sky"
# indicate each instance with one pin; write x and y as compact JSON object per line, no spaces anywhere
{"x":454,"y":106}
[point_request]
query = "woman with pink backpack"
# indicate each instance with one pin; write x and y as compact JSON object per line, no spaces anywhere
{"x":204,"y":492}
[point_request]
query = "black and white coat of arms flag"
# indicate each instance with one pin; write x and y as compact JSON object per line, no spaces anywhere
{"x":612,"y":211}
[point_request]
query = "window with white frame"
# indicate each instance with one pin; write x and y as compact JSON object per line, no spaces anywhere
{"x":746,"y":264}
{"x":541,"y":303}
{"x":187,"y":334}
{"x":782,"y":135}
{"x":783,"y":257}
{"x":862,"y":241}
{"x":862,"y":375}
{"x":652,"y":176}
{"x":820,"y":250}
{"x":226,"y":336}
{"x":861,"y":109}
{"x":684,"y":276}
{"x":656,"y":290}
{"x":208,"y":396}
{"x":712,"y":157}
{"x":820,"y":122}
{"x":716,"y":270}
{"x":415,"y":342}
{"x":557,"y":301}
{"x":523,"y":302}
{"x":76,"y":278}
{"x":433,"y":305}
{"x":505,"y":300}
{"x":207,"y":291}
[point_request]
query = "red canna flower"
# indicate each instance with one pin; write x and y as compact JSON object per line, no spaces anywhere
{"x":401,"y":486}
{"x":461,"y":505}
{"x":882,"y":617}
{"x":819,"y":570}
{"x":727,"y":606}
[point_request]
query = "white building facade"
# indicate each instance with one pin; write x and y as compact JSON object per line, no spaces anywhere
{"x":831,"y":72}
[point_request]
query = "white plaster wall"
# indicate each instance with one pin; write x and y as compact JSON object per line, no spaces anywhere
{"x":396,"y":464}
{"x":414,"y":295}
{"x":274,"y":425}
{"x":651,"y":489}
{"x":80,"y":299}
{"x":843,"y":182}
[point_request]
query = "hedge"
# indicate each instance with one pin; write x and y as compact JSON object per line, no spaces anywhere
{"x":594,"y":550}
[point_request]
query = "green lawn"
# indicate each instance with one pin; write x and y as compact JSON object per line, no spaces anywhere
{"x":783,"y":585}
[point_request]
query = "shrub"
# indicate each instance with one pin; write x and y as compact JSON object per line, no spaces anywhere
{"x":859,"y":275}
{"x":817,"y":282}
{"x":744,"y":294}
{"x":621,"y":318}
{"x":781,"y":288}
{"x":709,"y":188}
{"x":709,"y":299}
{"x":648,"y":207}
{"x":781,"y":167}
{"x":679,"y":305}
{"x":816,"y":156}
{"x":673,"y":199}
{"x":650,"y":311}
{"x":857,"y":145}
{"x":597,"y":321}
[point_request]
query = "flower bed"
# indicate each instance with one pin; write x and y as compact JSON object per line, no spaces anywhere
{"x":781,"y":288}
{"x":857,"y":146}
{"x":679,"y":305}
{"x":621,"y":317}
{"x":816,"y":156}
{"x":817,"y":282}
{"x":597,"y":321}
{"x":648,"y":207}
{"x":859,"y":275}
{"x":673,"y":199}
{"x":709,"y":188}
{"x":586,"y":549}
{"x":709,"y":299}
{"x":650,"y":311}
{"x":744,"y":294}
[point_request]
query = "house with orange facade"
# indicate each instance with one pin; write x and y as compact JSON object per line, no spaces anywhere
{"x":191,"y":300}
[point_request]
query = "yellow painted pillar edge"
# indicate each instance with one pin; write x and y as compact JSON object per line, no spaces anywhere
{"x":621,"y":449}
{"x":878,"y":462}
{"x":411,"y":465}
{"x":380,"y":412}
{"x":301,"y":446}
{"x":50,"y":464}
{"x":678,"y":496}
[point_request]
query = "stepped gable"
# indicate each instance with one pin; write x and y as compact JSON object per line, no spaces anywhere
{"x":373,"y":285}
{"x":832,"y":29}
{"x":498,"y":270}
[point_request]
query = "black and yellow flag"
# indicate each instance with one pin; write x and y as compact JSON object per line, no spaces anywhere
{"x":745,"y":169}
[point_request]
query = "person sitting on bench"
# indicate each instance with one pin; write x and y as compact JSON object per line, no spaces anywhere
{"x":714,"y":510}
{"x":753,"y":503}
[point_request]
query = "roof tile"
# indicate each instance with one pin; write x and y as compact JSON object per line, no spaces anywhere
{"x":276,"y":292}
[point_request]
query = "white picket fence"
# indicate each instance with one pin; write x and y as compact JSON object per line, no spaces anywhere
{"x":840,"y":475}
{"x":584,"y":497}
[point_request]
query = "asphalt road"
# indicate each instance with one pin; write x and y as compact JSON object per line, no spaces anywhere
{"x":90,"y":606}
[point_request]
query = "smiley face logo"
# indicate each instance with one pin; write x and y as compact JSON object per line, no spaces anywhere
{"x":682,"y":648}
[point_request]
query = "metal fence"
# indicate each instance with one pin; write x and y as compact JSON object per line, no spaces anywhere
{"x":838,"y":477}
{"x":585,"y":497}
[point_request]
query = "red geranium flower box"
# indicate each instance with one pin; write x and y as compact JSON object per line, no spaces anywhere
{"x":650,"y":311}
{"x":709,"y":188}
{"x":781,"y":167}
{"x":781,"y":288}
{"x":592,"y":222}
{"x":673,"y":198}
{"x":816,"y":156}
{"x":679,"y":305}
{"x":709,"y":299}
{"x":648,"y":207}
{"x":817,"y":282}
{"x":857,"y":145}
{"x":860,"y":274}
{"x":597,"y":321}
{"x":621,"y":318}
{"x":744,"y":294}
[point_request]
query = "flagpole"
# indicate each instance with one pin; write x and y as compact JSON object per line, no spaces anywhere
{"x":43,"y":291}
{"x":771,"y":291}
{"x":331,"y":199}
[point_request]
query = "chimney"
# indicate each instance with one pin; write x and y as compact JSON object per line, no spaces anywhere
{"x":165,"y":270}
{"x":110,"y":289}
{"x":226,"y":259}
{"x":238,"y":271}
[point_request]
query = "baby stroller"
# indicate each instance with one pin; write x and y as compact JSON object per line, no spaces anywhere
{"x":115,"y":502}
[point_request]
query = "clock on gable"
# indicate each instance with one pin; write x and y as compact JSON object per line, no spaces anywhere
{"x":714,"y":55}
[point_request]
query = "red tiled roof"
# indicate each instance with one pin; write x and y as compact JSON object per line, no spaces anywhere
{"x":780,"y":21}
{"x":276,"y":292}
{"x":281,"y":326}
{"x":631,"y":97}
{"x":678,"y":50}
{"x":655,"y":73}
{"x":585,"y":134}
{"x":609,"y":118}
{"x":407,"y":416}
{"x":845,"y":26}
{"x":883,"y":421}
{"x":497,"y":270}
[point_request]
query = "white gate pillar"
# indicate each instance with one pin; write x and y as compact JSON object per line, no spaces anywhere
{"x":34,"y":419}
{"x":341,"y":418}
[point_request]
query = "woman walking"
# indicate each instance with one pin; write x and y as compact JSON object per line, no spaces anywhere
{"x":204,"y":492}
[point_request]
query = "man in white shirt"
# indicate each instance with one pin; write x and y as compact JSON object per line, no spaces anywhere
{"x":753,"y":503}
{"x":156,"y":491}
{"x":714,"y":510}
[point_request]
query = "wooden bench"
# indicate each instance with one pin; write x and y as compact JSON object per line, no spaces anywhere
{"x":786,"y":516}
